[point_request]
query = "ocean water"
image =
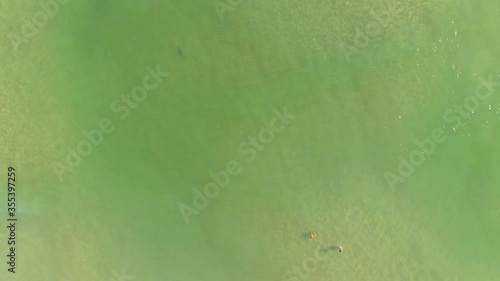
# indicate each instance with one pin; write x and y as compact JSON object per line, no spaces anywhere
{"x":375,"y":124}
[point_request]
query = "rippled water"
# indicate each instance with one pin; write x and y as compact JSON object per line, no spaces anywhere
{"x":365,"y":83}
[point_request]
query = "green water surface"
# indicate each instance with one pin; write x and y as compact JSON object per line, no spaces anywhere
{"x":356,"y":115}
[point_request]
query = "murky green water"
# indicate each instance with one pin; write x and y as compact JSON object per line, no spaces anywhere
{"x":362,"y":82}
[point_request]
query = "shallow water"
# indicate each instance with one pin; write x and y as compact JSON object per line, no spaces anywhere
{"x":354,"y":114}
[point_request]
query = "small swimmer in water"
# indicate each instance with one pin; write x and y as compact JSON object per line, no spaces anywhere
{"x":313,"y":235}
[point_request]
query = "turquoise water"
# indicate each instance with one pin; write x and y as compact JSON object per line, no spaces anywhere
{"x":118,"y":210}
